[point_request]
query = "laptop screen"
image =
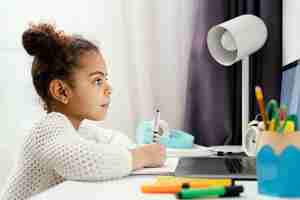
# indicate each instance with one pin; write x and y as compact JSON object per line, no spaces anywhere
{"x":290,"y":87}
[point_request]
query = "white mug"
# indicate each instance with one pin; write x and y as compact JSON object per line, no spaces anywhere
{"x":255,"y":127}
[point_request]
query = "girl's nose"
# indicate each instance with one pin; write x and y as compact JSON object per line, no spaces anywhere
{"x":108,"y":90}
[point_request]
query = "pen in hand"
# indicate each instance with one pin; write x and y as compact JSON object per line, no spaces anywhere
{"x":156,"y":134}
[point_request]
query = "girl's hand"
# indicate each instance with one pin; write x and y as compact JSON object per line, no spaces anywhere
{"x":150,"y":155}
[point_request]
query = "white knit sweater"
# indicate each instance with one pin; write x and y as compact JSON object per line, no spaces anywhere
{"x":54,"y":152}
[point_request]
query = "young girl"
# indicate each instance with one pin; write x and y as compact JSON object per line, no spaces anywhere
{"x":70,"y":76}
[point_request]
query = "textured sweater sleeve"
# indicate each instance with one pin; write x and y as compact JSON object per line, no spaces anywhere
{"x":76,"y":158}
{"x":107,"y":136}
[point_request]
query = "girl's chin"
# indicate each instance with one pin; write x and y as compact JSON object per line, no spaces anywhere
{"x":100,"y":116}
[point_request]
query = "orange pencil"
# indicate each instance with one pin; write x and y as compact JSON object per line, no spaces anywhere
{"x":261,"y":105}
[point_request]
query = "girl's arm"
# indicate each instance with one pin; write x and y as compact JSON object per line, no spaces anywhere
{"x":59,"y":147}
{"x":107,"y":136}
{"x":75,"y":158}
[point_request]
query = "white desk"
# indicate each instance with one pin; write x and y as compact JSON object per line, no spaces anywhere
{"x":125,"y":188}
{"x":128,"y":188}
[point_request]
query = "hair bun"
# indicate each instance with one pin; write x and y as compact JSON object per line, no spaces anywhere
{"x":43,"y":41}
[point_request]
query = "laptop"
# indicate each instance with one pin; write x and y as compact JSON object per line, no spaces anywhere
{"x":290,"y":87}
{"x":233,"y":167}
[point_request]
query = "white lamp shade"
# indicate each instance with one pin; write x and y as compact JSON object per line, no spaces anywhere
{"x":236,"y":39}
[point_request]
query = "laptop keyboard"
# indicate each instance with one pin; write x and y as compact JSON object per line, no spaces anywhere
{"x":234,"y":165}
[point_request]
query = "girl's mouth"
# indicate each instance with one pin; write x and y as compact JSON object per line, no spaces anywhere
{"x":105,"y":105}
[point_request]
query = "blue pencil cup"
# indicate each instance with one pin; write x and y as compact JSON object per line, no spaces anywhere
{"x":277,"y":164}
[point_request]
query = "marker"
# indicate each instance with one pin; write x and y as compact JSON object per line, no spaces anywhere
{"x":290,"y":118}
{"x":277,"y":120}
{"x":213,"y":182}
{"x":156,"y":126}
{"x":261,"y":104}
{"x":231,"y":191}
{"x":283,"y":112}
{"x":293,"y":118}
{"x":174,"y":187}
{"x":289,"y":127}
{"x":272,"y":111}
{"x":159,"y":188}
{"x":272,"y":106}
{"x":272,"y":125}
{"x":171,"y":187}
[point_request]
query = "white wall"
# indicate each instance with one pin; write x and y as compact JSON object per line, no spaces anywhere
{"x":19,"y":104}
{"x":83,"y":18}
{"x":291,"y":31}
{"x":146,"y":45}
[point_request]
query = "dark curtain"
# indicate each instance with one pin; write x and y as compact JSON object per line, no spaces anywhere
{"x":265,"y":64}
{"x":208,"y":102}
{"x":213,"y":101}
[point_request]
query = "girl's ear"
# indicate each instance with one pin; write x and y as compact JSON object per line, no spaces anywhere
{"x":60,"y":91}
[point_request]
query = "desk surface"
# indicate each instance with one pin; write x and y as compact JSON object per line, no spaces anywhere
{"x":129,"y":188}
{"x":125,"y":188}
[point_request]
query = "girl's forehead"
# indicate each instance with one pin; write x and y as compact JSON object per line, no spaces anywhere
{"x":91,"y":62}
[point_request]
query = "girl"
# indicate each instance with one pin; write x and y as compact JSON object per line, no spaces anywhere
{"x":70,"y":76}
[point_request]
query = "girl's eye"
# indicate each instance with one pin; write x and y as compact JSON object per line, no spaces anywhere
{"x":98,"y":81}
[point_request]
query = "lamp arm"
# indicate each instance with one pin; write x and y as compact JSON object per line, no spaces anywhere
{"x":245,"y":97}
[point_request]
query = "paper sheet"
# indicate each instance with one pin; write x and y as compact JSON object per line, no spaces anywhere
{"x":196,"y":151}
{"x":173,"y":156}
{"x":168,"y":168}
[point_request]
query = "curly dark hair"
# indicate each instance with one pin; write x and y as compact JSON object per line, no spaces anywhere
{"x":56,"y":55}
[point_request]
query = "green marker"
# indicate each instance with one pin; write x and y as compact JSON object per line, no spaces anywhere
{"x":290,"y":118}
{"x":272,"y":106}
{"x":293,"y":118}
{"x":231,"y":191}
{"x":276,"y":119}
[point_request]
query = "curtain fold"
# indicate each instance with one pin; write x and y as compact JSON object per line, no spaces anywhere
{"x":208,"y":115}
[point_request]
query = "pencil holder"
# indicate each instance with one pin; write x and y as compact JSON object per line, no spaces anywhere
{"x":278,"y":164}
{"x":173,"y":139}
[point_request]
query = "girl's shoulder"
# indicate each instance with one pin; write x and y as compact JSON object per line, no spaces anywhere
{"x":45,"y":131}
{"x":52,"y":120}
{"x":51,"y":124}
